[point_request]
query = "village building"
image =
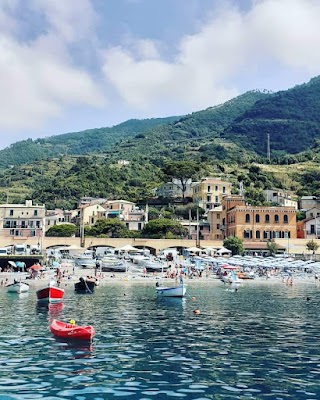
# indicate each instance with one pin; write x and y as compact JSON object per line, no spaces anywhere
{"x":22,"y":221}
{"x":174,"y":189}
{"x":208,"y":192}
{"x":251,"y":223}
{"x":280,"y":198}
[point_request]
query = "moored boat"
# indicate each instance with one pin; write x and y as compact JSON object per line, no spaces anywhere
{"x":174,"y":291}
{"x":50,"y":294}
{"x":71,"y":330}
{"x":85,"y":286}
{"x":17,"y":287}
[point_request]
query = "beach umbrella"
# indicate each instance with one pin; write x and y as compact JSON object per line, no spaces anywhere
{"x":36,"y":267}
{"x":20,"y":264}
{"x":127,"y":247}
{"x":55,"y":264}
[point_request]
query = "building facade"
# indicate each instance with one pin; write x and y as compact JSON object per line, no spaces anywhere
{"x":208,"y":193}
{"x":173,"y":189}
{"x":280,"y":198}
{"x":251,"y":223}
{"x":22,"y":220}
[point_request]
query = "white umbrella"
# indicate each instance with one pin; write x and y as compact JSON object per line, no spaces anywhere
{"x":194,"y":249}
{"x":223,"y":250}
{"x":127,"y":247}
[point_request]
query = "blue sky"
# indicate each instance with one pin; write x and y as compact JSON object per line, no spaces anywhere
{"x":71,"y":65}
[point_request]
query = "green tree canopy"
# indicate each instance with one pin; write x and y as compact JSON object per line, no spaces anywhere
{"x":312,"y":246}
{"x":234,"y":244}
{"x":272,"y":247}
{"x":63,"y":230}
{"x":112,"y":227}
{"x":164,"y":228}
{"x":181,"y":170}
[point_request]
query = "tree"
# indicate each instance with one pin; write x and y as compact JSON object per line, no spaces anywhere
{"x":164,"y":228}
{"x":63,"y":230}
{"x":112,"y":227}
{"x":234,"y":244}
{"x":181,"y":170}
{"x":312,"y":246}
{"x":272,"y":247}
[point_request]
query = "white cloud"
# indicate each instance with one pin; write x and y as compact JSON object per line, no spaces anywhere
{"x":280,"y":32}
{"x":38,"y":79}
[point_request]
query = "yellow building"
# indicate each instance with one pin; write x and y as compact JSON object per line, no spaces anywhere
{"x":208,"y":192}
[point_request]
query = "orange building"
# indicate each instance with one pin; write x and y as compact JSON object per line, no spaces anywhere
{"x":256,"y":223}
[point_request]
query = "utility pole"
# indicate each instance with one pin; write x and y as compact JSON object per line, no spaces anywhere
{"x":268,"y":146}
{"x":198,"y":229}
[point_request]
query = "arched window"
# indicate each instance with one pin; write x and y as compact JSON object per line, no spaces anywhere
{"x":285,"y":219}
{"x":276,"y":218}
{"x":247,"y":217}
{"x":267,"y":218}
{"x":257,"y":234}
{"x":257,"y":218}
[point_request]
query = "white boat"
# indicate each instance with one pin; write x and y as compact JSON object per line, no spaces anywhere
{"x":112,"y":264}
{"x":85,"y":261}
{"x":153,"y":265}
{"x":174,"y":291}
{"x":17,"y":287}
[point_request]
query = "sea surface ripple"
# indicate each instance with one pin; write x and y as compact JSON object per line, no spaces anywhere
{"x":261,"y":342}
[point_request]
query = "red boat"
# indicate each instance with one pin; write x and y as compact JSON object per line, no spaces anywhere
{"x":71,"y":331}
{"x":50,"y":294}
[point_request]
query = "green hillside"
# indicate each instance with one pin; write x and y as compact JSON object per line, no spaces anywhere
{"x":290,"y":117}
{"x":228,"y":140}
{"x":78,"y":143}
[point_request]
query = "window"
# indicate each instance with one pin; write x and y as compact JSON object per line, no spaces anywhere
{"x":285,"y":219}
{"x":218,"y":216}
{"x":218,"y":226}
{"x":266,"y":235}
{"x":11,"y":212}
{"x":35,"y":213}
{"x":276,"y":218}
{"x":23,"y":224}
{"x":33,"y":233}
{"x":48,"y":222}
{"x":217,"y":199}
{"x":223,"y":189}
{"x":37,"y":224}
{"x":11,"y":232}
{"x":139,"y":226}
{"x":216,"y":188}
{"x":257,"y":234}
{"x":258,"y":219}
{"x":247,"y":234}
{"x":267,"y":218}
{"x":247,"y":218}
{"x":209,"y":189}
{"x":208,"y":199}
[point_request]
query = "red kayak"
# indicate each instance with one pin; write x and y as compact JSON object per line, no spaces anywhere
{"x":71,"y":331}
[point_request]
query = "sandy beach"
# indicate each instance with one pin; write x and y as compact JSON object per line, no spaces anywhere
{"x":70,"y":277}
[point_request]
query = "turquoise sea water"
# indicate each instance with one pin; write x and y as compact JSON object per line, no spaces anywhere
{"x":262,"y":342}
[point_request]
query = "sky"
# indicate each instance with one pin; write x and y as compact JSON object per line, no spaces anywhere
{"x":70,"y":65}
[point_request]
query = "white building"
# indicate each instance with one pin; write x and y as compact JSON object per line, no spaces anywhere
{"x":280,"y":198}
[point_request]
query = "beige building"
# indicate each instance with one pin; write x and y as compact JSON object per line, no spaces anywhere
{"x":209,"y":192}
{"x":22,"y":221}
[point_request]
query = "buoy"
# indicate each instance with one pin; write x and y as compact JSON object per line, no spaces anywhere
{"x":193,"y":298}
{"x":196,"y":311}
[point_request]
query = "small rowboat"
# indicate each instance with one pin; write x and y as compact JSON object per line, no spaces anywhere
{"x":177,"y":291}
{"x":17,"y":287}
{"x":71,"y":331}
{"x":50,"y":294}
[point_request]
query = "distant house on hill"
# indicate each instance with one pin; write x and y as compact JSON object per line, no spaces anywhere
{"x":123,"y":162}
{"x":308,"y":202}
{"x":280,"y":198}
{"x":173,"y":189}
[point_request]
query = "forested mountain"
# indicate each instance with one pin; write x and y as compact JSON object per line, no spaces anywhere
{"x":84,"y":142}
{"x":291,"y":118}
{"x":229,"y":140}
